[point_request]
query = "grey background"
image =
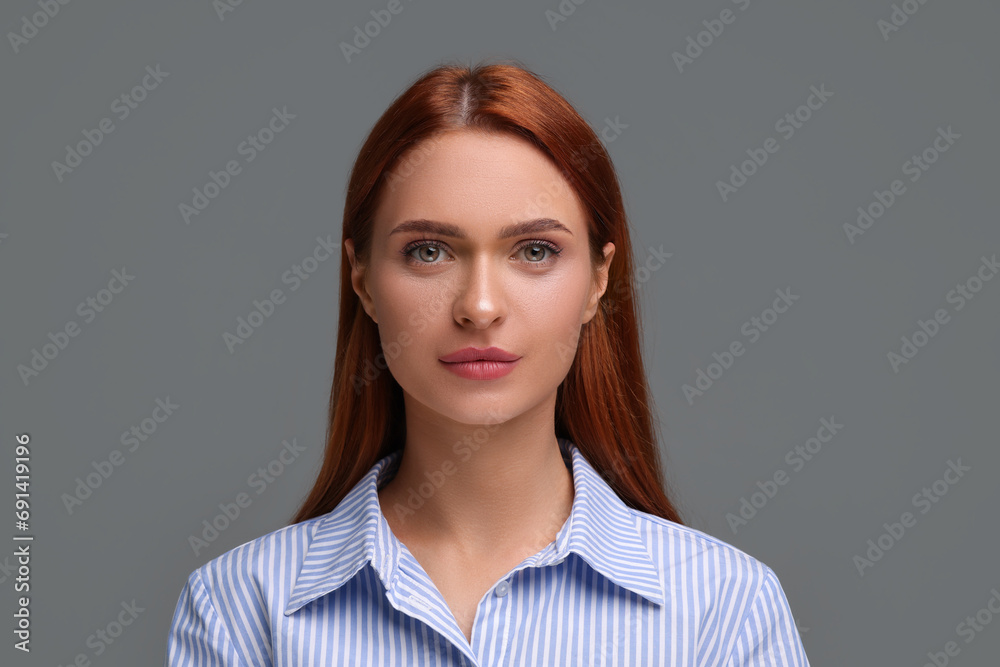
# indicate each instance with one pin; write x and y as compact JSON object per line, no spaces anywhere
{"x":825,"y":357}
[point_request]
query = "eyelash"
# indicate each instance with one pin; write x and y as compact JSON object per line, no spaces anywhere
{"x":420,"y":243}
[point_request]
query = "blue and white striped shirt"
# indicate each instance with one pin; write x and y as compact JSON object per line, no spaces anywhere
{"x":616,"y":587}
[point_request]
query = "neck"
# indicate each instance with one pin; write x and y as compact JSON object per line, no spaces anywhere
{"x":479,"y":488}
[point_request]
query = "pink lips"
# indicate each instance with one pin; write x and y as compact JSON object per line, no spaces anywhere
{"x":473,"y":354}
{"x":475,"y":364}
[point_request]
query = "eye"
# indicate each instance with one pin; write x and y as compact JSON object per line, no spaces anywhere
{"x":421,"y":245}
{"x":437,"y":248}
{"x":534,"y":245}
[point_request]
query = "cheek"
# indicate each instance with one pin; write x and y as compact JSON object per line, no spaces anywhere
{"x":407,"y":309}
{"x":551,"y":316}
{"x":547,"y":308}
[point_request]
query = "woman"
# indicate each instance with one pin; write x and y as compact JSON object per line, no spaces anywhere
{"x":491,"y":490}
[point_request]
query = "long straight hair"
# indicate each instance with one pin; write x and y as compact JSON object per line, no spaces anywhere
{"x":602,"y":405}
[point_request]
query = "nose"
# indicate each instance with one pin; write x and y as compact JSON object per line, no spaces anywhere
{"x":481,"y":297}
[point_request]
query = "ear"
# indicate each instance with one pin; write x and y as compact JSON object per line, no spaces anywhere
{"x":358,"y":281}
{"x":597,"y":291}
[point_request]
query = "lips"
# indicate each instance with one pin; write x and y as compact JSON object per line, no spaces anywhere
{"x":475,"y":354}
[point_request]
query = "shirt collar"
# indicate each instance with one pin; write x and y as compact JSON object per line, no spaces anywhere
{"x":601,"y":529}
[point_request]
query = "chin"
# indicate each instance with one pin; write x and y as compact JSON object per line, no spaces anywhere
{"x":476,"y":412}
{"x":469,"y":408}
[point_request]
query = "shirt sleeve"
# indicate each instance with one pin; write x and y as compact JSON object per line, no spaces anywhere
{"x":198,"y":636}
{"x":768,"y":636}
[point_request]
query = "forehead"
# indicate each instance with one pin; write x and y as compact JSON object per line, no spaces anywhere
{"x":476,"y":180}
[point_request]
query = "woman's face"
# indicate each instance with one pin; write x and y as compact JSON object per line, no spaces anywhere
{"x":502,"y":260}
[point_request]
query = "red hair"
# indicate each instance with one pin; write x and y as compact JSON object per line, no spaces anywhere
{"x":602,"y":406}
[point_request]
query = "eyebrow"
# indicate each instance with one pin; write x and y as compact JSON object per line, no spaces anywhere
{"x":506,"y":232}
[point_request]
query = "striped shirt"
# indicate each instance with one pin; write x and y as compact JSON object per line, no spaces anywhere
{"x":616,"y":587}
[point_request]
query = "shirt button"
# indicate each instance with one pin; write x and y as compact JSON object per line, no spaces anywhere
{"x":502,"y":588}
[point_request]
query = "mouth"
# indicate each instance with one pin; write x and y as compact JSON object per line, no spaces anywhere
{"x":480,"y":364}
{"x":482,"y":369}
{"x":476,"y":354}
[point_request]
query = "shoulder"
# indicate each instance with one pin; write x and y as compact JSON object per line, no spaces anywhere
{"x":733,"y":598}
{"x":692,"y":559}
{"x":261,"y":567}
{"x":227,"y":606}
